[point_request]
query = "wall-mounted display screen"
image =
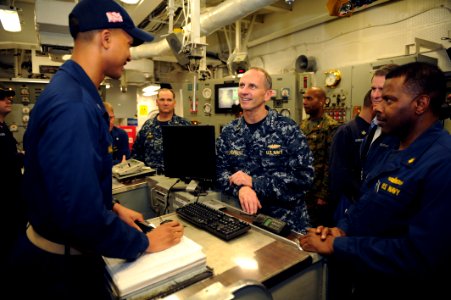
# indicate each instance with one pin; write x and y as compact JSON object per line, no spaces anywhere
{"x":226,"y":95}
{"x":189,"y":153}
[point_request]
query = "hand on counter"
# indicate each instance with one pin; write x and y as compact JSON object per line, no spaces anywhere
{"x":249,"y":200}
{"x":165,"y":236}
{"x":320,"y":239}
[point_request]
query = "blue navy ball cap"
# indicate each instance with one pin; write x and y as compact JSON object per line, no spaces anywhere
{"x":90,"y":15}
{"x":6,"y":93}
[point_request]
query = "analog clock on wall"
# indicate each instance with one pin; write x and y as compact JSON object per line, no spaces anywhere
{"x":207,"y":109}
{"x":206,"y":92}
{"x":327,"y":102}
{"x":332,"y":78}
{"x":285,"y":112}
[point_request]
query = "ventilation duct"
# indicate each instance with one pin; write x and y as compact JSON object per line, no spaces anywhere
{"x":224,"y":14}
{"x":53,"y":27}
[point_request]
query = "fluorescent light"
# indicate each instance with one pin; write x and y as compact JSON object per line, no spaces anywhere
{"x":10,"y":19}
{"x":133,"y":2}
{"x":29,"y":80}
{"x":153,"y":88}
{"x":150,"y":94}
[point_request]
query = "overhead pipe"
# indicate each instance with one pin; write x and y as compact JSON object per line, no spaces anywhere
{"x":238,"y":35}
{"x":221,"y":15}
{"x":195,"y":39}
{"x":195,"y":23}
{"x":171,"y":10}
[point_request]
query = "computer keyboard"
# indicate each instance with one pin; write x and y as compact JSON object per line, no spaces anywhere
{"x":214,"y":221}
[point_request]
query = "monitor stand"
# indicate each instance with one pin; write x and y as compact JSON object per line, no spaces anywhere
{"x":198,"y":187}
{"x":193,"y":186}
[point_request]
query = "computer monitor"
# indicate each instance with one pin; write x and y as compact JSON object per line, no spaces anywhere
{"x":226,"y":95}
{"x":189,"y":153}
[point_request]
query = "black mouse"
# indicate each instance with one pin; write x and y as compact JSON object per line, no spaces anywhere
{"x":165,"y":221}
{"x":144,"y":226}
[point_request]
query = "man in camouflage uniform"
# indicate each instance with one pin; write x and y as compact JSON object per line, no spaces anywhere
{"x":263,"y":158}
{"x":148,"y":146}
{"x":319,"y":129}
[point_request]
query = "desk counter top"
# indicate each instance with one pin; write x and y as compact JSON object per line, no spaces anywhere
{"x":124,"y":186}
{"x":257,"y":255}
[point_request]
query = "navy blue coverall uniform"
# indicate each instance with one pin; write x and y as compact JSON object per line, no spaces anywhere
{"x":68,"y":180}
{"x":120,"y":144}
{"x":398,"y":240}
{"x":14,"y":217}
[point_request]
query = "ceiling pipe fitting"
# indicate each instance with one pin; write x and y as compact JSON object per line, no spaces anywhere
{"x":223,"y":14}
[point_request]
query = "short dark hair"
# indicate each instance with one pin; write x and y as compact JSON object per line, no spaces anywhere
{"x":384,"y":70}
{"x":367,"y":100}
{"x":268,"y":79}
{"x":423,"y":78}
{"x":165,"y":90}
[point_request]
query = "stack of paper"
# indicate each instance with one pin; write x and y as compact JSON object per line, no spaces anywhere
{"x":156,"y":271}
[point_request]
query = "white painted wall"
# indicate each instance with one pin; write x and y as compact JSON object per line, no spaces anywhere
{"x":373,"y":33}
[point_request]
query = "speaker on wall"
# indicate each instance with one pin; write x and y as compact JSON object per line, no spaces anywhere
{"x":305,"y":64}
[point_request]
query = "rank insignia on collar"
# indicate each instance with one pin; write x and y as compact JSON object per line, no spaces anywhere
{"x":274,"y":146}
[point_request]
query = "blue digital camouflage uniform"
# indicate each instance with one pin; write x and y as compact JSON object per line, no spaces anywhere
{"x":148,"y":146}
{"x":319,"y":135}
{"x":279,"y":160}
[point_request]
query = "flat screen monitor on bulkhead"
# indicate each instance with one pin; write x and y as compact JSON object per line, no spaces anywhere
{"x":189,"y":153}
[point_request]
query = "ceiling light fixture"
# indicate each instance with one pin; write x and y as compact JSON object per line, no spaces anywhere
{"x":10,"y":18}
{"x":133,"y":2}
{"x":151,"y":88}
